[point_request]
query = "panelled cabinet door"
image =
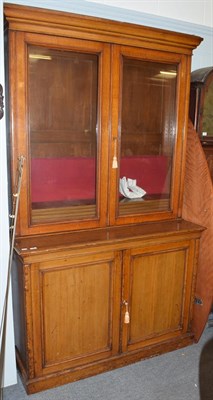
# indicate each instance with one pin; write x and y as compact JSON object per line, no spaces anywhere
{"x":75,"y":311}
{"x":147,"y":122}
{"x":157,"y":292}
{"x":60,"y":125}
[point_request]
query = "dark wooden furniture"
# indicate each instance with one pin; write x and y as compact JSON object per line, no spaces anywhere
{"x":201,"y":110}
{"x":100,"y":279}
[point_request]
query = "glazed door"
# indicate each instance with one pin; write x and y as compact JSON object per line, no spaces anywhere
{"x":60,"y":120}
{"x":157,"y":293}
{"x":146,"y":134}
{"x":76,"y":310}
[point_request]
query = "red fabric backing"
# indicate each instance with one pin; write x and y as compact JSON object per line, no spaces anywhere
{"x":61,"y":179}
{"x":151,"y":172}
{"x":57,"y":179}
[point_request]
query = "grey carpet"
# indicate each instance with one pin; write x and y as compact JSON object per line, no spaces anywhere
{"x":185,"y":374}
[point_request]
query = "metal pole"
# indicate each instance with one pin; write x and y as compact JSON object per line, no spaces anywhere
{"x":13,"y":217}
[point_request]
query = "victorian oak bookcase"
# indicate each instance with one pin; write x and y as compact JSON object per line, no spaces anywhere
{"x":105,"y":265}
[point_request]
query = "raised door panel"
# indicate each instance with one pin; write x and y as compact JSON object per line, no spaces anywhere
{"x":158,"y":293}
{"x":61,"y":129}
{"x":76,"y":310}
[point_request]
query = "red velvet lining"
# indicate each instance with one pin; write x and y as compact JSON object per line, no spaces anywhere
{"x":151,"y":172}
{"x":58,"y":179}
{"x":61,"y":179}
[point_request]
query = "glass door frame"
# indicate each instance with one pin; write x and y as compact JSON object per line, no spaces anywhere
{"x":178,"y":163}
{"x":19,"y":43}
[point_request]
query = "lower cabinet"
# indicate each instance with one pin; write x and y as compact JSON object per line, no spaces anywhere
{"x":90,"y":309}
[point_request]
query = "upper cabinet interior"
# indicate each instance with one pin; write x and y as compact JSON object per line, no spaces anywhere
{"x":99,"y":110}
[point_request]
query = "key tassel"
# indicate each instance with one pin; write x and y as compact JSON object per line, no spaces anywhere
{"x":114,"y":160}
{"x":126,"y":317}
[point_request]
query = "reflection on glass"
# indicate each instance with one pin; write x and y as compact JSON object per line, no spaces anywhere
{"x":147,"y":135}
{"x":62,"y":129}
{"x":208,"y":112}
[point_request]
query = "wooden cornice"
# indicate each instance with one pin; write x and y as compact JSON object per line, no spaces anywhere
{"x":32,"y":19}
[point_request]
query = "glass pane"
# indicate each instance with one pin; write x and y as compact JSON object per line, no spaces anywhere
{"x":208,"y":112}
{"x":62,"y":130}
{"x":148,"y":119}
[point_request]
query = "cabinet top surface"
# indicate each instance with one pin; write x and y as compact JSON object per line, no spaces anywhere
{"x":105,"y":236}
{"x":33,"y":19}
